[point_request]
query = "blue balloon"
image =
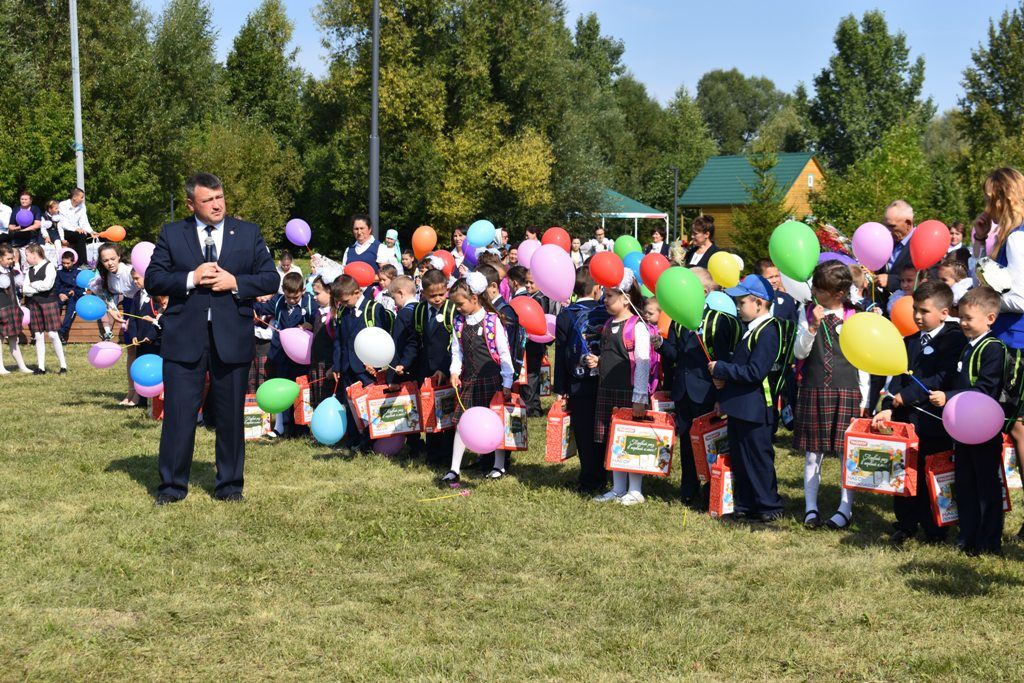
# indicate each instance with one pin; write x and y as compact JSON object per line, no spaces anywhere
{"x":328,"y":422}
{"x":90,"y":307}
{"x":85,"y":278}
{"x":632,"y":261}
{"x":720,"y":301}
{"x":469,"y":252}
{"x":480,"y":234}
{"x":148,"y":370}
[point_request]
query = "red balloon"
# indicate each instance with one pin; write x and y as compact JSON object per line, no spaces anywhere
{"x":531,"y":315}
{"x":651,"y":268}
{"x":606,"y":268}
{"x":557,"y":236}
{"x":449,"y":261}
{"x":361,"y":272}
{"x":929,"y":244}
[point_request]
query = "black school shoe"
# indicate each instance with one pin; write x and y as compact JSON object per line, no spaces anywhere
{"x":763,"y":517}
{"x":166,"y":499}
{"x":235,"y":497}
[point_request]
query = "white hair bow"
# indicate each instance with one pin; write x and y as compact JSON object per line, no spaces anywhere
{"x":477,"y":282}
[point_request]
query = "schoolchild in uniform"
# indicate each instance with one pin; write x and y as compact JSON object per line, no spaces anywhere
{"x":10,"y":309}
{"x":68,"y":291}
{"x":144,"y":331}
{"x":39,"y":288}
{"x":321,"y":357}
{"x":535,"y":351}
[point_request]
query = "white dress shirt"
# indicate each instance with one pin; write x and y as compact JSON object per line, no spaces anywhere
{"x":30,"y":288}
{"x":74,"y":218}
{"x":5,"y":217}
{"x":218,"y":242}
{"x":805,"y":341}
{"x":594,"y":246}
{"x":384,"y":252}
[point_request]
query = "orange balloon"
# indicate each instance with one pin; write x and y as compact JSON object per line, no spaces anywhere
{"x":115,"y":233}
{"x":423,"y":241}
{"x":903,"y":315}
{"x":664,"y":323}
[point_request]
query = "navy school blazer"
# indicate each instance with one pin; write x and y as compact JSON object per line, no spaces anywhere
{"x":743,"y":396}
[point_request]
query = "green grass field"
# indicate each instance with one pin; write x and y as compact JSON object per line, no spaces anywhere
{"x":333,"y":569}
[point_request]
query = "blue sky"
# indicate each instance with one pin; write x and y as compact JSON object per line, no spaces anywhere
{"x":673,"y":42}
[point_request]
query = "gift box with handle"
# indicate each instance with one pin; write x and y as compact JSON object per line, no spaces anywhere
{"x":513,"y":415}
{"x":940,"y":475}
{"x":661,"y":402}
{"x":882,"y":460}
{"x":1011,"y":468}
{"x":355,"y":394}
{"x":545,"y":376}
{"x":560,"y":443}
{"x":256,"y":422}
{"x":709,"y":437}
{"x":302,"y":410}
{"x":393,"y":410}
{"x":641,"y":446}
{"x":721,"y":500}
{"x":437,"y":406}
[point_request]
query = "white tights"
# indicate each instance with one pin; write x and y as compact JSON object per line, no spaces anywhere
{"x":626,"y":481}
{"x":58,"y":349}
{"x":459,"y":450}
{"x":812,"y":478}
{"x":12,"y":344}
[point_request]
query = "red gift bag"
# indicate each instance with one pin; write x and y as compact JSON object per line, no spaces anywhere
{"x":1011,"y":471}
{"x":880,"y":461}
{"x":641,"y":446}
{"x":302,"y":409}
{"x":393,"y":412}
{"x":709,"y":438}
{"x":721,"y":501}
{"x":513,"y":415}
{"x":437,"y":406}
{"x":940,"y":475}
{"x":559,"y":442}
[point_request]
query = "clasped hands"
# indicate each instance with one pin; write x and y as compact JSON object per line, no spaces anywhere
{"x":212,"y":276}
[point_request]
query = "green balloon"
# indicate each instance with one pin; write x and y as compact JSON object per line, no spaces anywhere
{"x":646,"y":292}
{"x":626,"y":244}
{"x":794,"y":249}
{"x":277,"y":395}
{"x":681,"y":295}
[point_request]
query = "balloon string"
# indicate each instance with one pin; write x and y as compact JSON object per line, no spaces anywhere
{"x":700,"y":340}
{"x":824,"y":326}
{"x":458,"y":397}
{"x":450,"y":495}
{"x":918,"y":409}
{"x":261,"y":321}
{"x":911,"y":376}
{"x":917,"y":274}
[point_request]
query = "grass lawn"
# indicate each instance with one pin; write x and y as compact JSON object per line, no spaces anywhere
{"x":333,"y":569}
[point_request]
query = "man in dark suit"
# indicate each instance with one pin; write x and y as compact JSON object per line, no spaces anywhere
{"x":211,"y":267}
{"x":899,"y":219}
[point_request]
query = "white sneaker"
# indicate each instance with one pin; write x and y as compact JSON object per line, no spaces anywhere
{"x":4,"y":371}
{"x":606,"y":497}
{"x":631,"y":498}
{"x":25,"y":371}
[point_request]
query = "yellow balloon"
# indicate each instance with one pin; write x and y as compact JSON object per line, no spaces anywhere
{"x":724,"y":269}
{"x":873,"y":344}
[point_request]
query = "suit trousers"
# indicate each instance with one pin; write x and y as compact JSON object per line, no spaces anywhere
{"x":582,"y":408}
{"x":686,"y":412}
{"x":183,"y":387}
{"x":979,"y":495}
{"x":755,"y":486}
{"x":915,"y":511}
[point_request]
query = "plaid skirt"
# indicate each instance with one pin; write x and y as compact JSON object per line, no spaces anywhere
{"x":608,"y":400}
{"x":321,"y":382}
{"x":257,"y":373}
{"x":10,"y":321}
{"x":822,"y":416}
{"x":477,"y":392}
{"x":44,"y":316}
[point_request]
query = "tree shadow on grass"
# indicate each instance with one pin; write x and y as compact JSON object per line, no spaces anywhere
{"x":143,"y":469}
{"x":973,"y":578}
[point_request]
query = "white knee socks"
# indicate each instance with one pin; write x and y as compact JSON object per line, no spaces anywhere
{"x":623,"y":482}
{"x":499,"y":460}
{"x":812,"y":479}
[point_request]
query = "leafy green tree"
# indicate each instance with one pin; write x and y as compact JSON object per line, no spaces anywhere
{"x":735,"y":106}
{"x":767,"y":208}
{"x":869,"y":86}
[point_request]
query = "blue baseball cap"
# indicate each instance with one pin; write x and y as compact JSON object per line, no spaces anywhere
{"x":754,"y":285}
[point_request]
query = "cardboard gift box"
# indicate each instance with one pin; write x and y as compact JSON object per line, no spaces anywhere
{"x":709,"y":437}
{"x":393,"y":412}
{"x":437,"y":406}
{"x":880,"y":461}
{"x":940,"y":475}
{"x":661,"y":402}
{"x":721,"y":501}
{"x":256,"y":422}
{"x":302,"y":410}
{"x":560,"y":443}
{"x":1011,"y":469}
{"x":642,"y":446}
{"x":513,"y":415}
{"x":545,"y":376}
{"x":355,"y":394}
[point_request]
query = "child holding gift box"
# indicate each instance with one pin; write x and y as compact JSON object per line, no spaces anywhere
{"x":322,"y":353}
{"x":978,"y":489}
{"x":623,"y":378}
{"x":293,"y":308}
{"x":349,"y":302}
{"x":402,"y":290}
{"x":481,"y":362}
{"x":746,"y":393}
{"x":932,"y":355}
{"x":832,"y":392}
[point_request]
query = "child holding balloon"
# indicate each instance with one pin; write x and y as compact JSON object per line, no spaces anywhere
{"x":114,"y":284}
{"x":294,"y":308}
{"x":481,"y":362}
{"x":10,"y":310}
{"x":39,"y":288}
{"x":832,"y":392}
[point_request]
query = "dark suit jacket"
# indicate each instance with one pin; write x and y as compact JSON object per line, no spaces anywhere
{"x":743,"y":395}
{"x":685,"y":363}
{"x":902,"y":261}
{"x":402,"y":332}
{"x":988,"y":367}
{"x":703,"y":263}
{"x":244,"y":254}
{"x":565,"y":381}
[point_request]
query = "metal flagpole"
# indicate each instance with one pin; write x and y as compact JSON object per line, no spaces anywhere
{"x":76,"y":86}
{"x":374,"y":201}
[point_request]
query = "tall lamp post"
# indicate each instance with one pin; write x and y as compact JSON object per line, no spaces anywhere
{"x":675,"y":201}
{"x":76,"y":93}
{"x":374,"y":200}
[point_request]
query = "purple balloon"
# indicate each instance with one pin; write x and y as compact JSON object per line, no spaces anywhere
{"x":389,"y":445}
{"x":872,"y":245}
{"x":836,"y":256}
{"x":141,"y":255}
{"x":553,"y":271}
{"x":973,"y":417}
{"x":526,"y":250}
{"x":469,"y":254}
{"x":24,"y":218}
{"x":298,"y":232}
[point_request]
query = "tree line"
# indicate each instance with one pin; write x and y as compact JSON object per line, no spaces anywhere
{"x":491,"y":108}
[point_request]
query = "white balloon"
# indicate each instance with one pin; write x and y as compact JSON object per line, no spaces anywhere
{"x":801,"y":291}
{"x":375,"y":347}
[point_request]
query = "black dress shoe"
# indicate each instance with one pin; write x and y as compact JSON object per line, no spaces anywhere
{"x":899,"y":537}
{"x":765,"y":517}
{"x":166,"y":499}
{"x":62,"y":371}
{"x":236,"y":497}
{"x":39,"y":371}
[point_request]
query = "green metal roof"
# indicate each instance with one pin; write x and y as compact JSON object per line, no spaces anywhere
{"x":617,"y":205}
{"x":724,"y":179}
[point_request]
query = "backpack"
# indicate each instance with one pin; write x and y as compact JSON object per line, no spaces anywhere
{"x":629,"y":341}
{"x":419,"y":318}
{"x":777,"y":374}
{"x":709,"y":326}
{"x":305,"y":303}
{"x":587,"y":324}
{"x":490,"y":324}
{"x":376,"y":315}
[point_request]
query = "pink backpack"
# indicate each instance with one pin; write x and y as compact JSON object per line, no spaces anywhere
{"x":629,"y":340}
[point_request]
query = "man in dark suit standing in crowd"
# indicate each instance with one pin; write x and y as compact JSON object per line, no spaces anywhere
{"x":211,"y":267}
{"x":899,"y":219}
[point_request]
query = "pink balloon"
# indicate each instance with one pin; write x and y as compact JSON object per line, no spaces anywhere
{"x":548,"y":336}
{"x":26,"y":316}
{"x":527,"y":248}
{"x":390,"y":445}
{"x":973,"y":417}
{"x":297,"y":344}
{"x":481,"y":429}
{"x":104,"y":354}
{"x":553,"y":272}
{"x":141,"y":254}
{"x":149,"y":392}
{"x":872,"y":245}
